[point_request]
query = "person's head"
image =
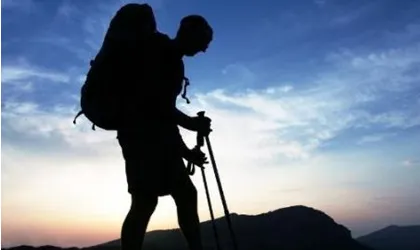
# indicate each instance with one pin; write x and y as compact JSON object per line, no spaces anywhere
{"x":194,"y":35}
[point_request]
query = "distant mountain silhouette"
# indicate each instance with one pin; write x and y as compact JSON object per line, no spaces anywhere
{"x":393,"y":238}
{"x":47,"y":247}
{"x":291,"y":228}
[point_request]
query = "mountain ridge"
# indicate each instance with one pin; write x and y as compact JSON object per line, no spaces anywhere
{"x":393,"y":237}
{"x":296,"y":227}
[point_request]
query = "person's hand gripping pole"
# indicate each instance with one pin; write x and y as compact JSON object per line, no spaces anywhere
{"x":196,"y":157}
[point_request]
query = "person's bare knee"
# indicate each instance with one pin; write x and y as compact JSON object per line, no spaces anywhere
{"x":143,"y":205}
{"x":186,"y":196}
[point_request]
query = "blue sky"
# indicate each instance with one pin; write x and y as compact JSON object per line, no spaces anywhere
{"x":313,"y":102}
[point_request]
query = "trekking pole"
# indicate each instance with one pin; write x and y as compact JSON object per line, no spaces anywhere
{"x":200,"y":143}
{"x":216,"y":236}
{"x":219,"y":184}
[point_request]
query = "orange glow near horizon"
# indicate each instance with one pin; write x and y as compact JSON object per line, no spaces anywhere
{"x":69,"y":229}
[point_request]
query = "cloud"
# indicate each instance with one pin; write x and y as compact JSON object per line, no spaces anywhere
{"x":285,"y":89}
{"x":67,"y":10}
{"x":20,"y":87}
{"x":239,"y":72}
{"x":270,"y":125}
{"x":390,"y":70}
{"x":21,"y":72}
{"x":411,"y":163}
{"x":359,"y":91}
{"x":24,"y":81}
{"x":396,"y":119}
{"x":49,"y":127}
{"x":353,"y":14}
{"x":80,"y":51}
{"x":374,"y":138}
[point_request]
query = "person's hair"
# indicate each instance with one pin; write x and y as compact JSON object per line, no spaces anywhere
{"x":195,"y":25}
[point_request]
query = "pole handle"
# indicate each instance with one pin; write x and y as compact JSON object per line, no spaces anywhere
{"x":200,"y":137}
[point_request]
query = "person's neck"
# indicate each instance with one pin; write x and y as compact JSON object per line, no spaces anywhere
{"x":178,"y":48}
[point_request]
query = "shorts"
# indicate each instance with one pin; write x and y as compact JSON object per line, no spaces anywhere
{"x":153,"y":163}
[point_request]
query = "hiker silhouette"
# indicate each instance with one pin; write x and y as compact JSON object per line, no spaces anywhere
{"x":142,"y":109}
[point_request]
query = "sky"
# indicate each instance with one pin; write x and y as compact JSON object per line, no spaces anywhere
{"x":313,"y":102}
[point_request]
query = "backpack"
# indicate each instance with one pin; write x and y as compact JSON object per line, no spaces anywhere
{"x":102,"y":94}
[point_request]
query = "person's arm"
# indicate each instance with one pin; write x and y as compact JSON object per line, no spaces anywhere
{"x":185,"y":150}
{"x":183,"y":147}
{"x":184,"y":120}
{"x":197,"y":123}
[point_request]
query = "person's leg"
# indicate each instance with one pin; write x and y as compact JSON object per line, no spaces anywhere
{"x":136,"y":221}
{"x":140,"y":176}
{"x":185,"y":196}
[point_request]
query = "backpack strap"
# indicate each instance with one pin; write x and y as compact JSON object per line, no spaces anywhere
{"x":78,"y":114}
{"x":184,"y":94}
